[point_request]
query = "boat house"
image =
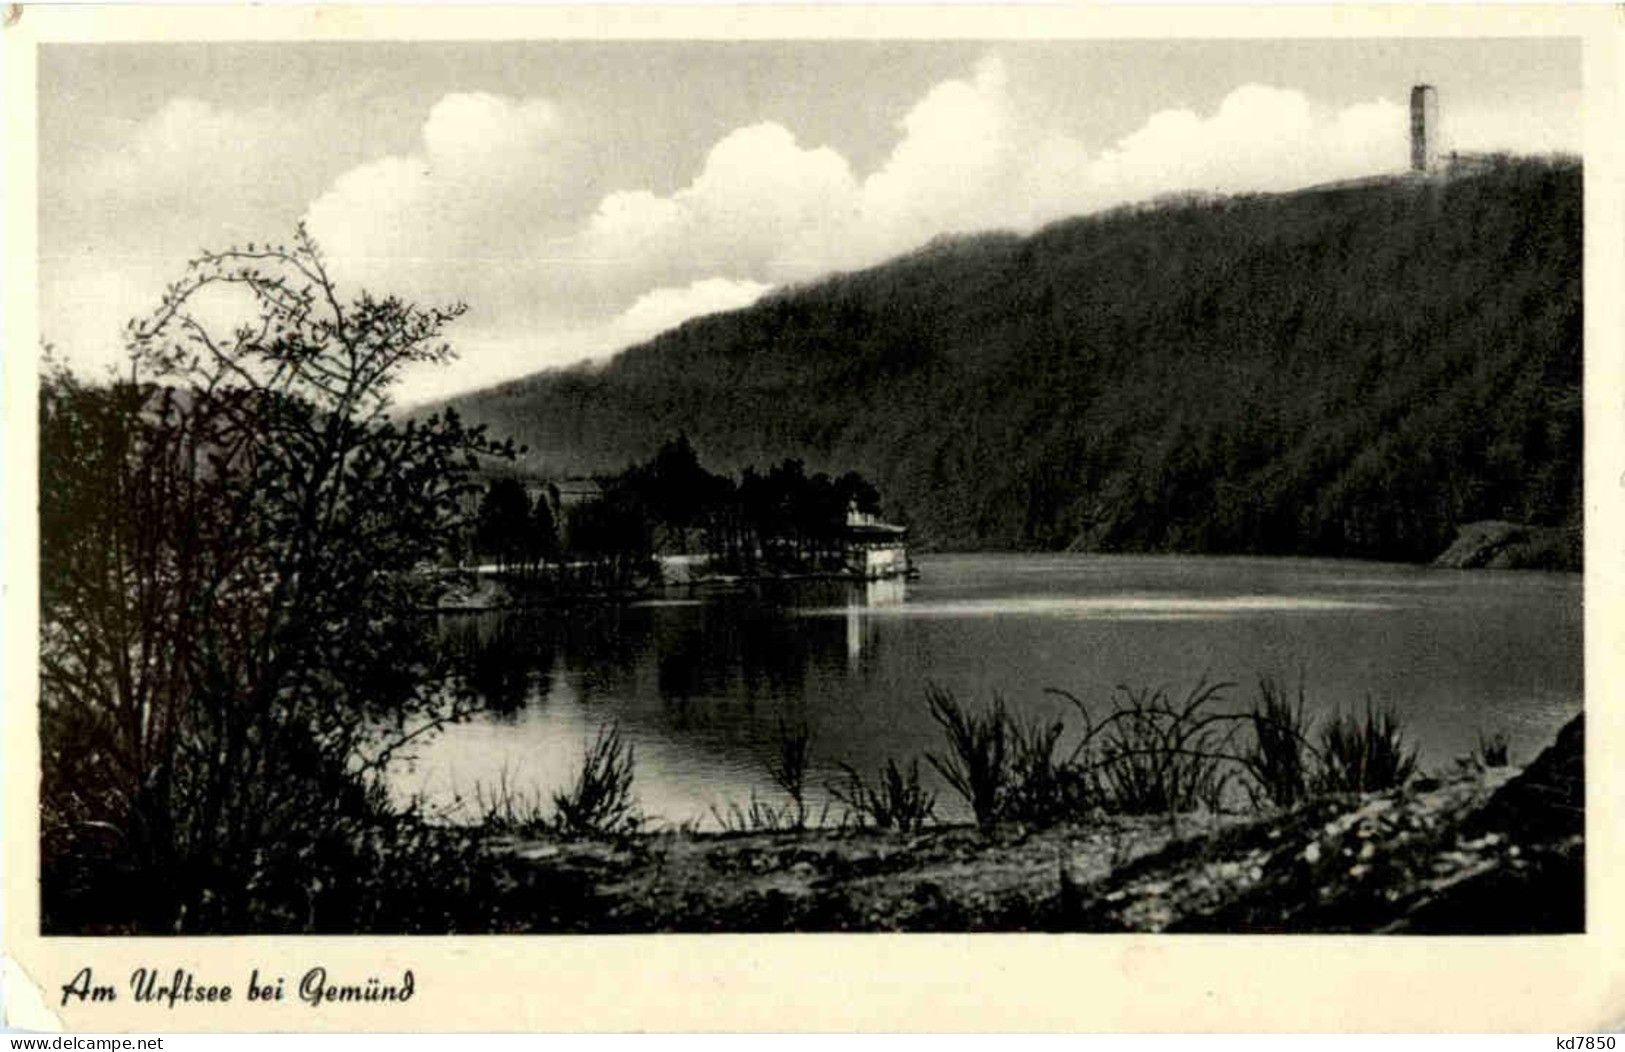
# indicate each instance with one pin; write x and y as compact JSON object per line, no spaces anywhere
{"x":872,"y":549}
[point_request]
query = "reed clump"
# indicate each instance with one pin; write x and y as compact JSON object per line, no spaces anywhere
{"x":1493,"y":751}
{"x":976,"y":764}
{"x":757,"y":816}
{"x":505,"y":808}
{"x":1364,"y":754}
{"x":1159,"y":755}
{"x":1047,"y":786}
{"x":789,"y":763}
{"x":600,"y":802}
{"x":1279,"y":758}
{"x":1156,"y":752}
{"x":1151,"y":754}
{"x":896,"y":800}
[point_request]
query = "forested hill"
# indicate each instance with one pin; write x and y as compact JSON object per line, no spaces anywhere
{"x":1341,"y":371}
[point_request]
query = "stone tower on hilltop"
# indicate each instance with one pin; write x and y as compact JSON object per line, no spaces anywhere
{"x":1424,"y":128}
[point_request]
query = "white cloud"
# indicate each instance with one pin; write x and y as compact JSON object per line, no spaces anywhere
{"x":489,"y":354}
{"x":127,"y":209}
{"x":84,"y":303}
{"x":460,"y":217}
{"x":1259,"y":138}
{"x":968,"y":159}
{"x":660,"y":309}
{"x":187,"y":149}
{"x":765,"y":205}
{"x":954,"y":151}
{"x":758,"y":190}
{"x":488,"y":137}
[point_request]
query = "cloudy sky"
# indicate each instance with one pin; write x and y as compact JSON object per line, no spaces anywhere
{"x":583,"y":196}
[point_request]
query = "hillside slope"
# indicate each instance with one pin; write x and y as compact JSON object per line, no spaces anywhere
{"x":1345,"y":371}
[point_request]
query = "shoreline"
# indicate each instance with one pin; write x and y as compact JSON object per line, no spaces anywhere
{"x":493,"y":590}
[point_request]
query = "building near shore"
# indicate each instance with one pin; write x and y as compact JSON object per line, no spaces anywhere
{"x":873,"y":549}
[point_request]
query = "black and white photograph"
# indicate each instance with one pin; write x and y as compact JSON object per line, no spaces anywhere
{"x":874,"y":485}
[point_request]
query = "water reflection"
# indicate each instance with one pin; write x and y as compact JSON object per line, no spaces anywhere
{"x":502,"y":660}
{"x":862,"y":632}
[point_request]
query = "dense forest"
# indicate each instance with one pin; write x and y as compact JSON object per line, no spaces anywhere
{"x":1350,"y":371}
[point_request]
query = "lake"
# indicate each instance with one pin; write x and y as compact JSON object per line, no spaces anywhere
{"x":700,"y":683}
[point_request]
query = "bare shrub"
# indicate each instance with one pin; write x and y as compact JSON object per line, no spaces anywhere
{"x":230,"y":650}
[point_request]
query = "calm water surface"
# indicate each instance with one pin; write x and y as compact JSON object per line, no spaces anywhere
{"x":699,"y":684}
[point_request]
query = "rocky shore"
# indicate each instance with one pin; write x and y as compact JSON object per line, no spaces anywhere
{"x":1496,"y":545}
{"x":1479,"y":850}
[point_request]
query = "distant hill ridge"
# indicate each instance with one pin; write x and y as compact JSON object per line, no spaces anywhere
{"x":1350,"y":370}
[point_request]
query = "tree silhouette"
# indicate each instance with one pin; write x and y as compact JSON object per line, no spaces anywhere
{"x":230,"y":540}
{"x":503,"y":524}
{"x":543,"y":539}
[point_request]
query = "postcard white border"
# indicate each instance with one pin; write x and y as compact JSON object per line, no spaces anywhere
{"x":858,"y":982}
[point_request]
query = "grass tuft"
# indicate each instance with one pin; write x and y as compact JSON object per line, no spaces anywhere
{"x":1278,"y":758}
{"x":789,"y":763}
{"x":600,"y":803}
{"x":977,"y":765}
{"x":1364,"y":755}
{"x":759,"y":816}
{"x":1159,"y":756}
{"x":506,"y":809}
{"x":897,"y":801}
{"x":1043,"y":787}
{"x":1494,"y":751}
